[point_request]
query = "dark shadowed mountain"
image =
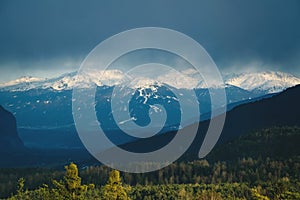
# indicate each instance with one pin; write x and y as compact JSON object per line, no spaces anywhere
{"x":281,"y":110}
{"x":278,"y":143}
{"x":9,"y":138}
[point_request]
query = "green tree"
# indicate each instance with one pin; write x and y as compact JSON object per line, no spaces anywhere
{"x":114,"y":190}
{"x":70,"y":187}
{"x":21,"y":193}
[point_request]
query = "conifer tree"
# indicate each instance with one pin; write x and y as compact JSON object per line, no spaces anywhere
{"x":114,"y":190}
{"x":70,"y":187}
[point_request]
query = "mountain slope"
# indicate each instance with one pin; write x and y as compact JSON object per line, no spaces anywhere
{"x":280,"y":110}
{"x":9,"y":139}
{"x":275,"y":142}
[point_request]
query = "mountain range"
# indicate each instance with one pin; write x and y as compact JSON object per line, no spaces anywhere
{"x":268,"y":81}
{"x":43,"y":107}
{"x":280,"y":109}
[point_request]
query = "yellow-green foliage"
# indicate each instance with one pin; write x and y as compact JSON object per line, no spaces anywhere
{"x":208,"y":195}
{"x":256,"y":194}
{"x":114,"y":188}
{"x":70,"y":187}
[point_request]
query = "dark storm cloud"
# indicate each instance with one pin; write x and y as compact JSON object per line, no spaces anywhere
{"x":54,"y":34}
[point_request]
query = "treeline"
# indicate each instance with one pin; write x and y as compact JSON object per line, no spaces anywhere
{"x":265,"y":163}
{"x":71,"y":188}
{"x":246,"y":170}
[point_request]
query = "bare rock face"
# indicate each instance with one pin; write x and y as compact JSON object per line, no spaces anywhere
{"x":9,"y":139}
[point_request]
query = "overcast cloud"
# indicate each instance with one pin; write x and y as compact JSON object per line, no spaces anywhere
{"x":50,"y":37}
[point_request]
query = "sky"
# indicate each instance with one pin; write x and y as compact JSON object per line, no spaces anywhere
{"x":51,"y":37}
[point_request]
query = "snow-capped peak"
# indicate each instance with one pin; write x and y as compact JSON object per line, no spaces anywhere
{"x":65,"y":81}
{"x":268,"y":81}
{"x":23,"y":79}
{"x":100,"y":78}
